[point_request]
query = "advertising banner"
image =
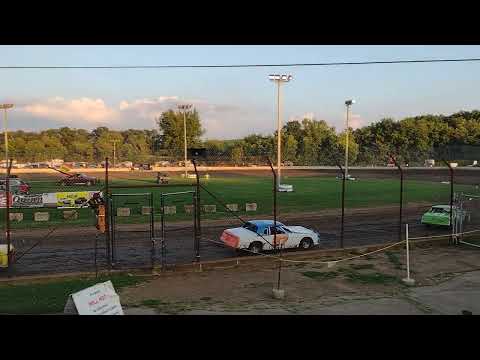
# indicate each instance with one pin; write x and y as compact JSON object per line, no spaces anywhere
{"x":78,"y":199}
{"x":49,"y":200}
{"x":27,"y":201}
{"x":3,"y":199}
{"x":61,"y":200}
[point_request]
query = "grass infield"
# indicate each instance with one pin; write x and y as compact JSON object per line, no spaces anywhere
{"x":310,"y":194}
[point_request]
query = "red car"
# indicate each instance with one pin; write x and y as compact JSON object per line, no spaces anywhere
{"x":16,"y":185}
{"x":78,"y":179}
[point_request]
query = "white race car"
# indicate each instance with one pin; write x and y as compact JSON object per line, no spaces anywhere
{"x":258,"y":235}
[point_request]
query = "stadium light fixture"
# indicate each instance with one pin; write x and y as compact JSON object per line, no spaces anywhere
{"x":185,"y":108}
{"x":279,"y":79}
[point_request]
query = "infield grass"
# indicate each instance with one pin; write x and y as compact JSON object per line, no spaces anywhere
{"x":310,"y":194}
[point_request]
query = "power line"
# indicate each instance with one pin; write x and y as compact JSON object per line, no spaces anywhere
{"x":244,"y":65}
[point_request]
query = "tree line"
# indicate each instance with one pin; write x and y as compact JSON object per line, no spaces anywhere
{"x":305,"y":142}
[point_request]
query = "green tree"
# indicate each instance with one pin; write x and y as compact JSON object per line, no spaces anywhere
{"x":237,"y":155}
{"x":352,"y":147}
{"x":171,"y":128}
{"x":35,"y":151}
{"x":289,"y":150}
{"x":82,"y":151}
{"x":54,"y":148}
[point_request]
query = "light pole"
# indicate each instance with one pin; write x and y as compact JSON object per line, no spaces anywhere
{"x":114,"y":154}
{"x":185,"y":107}
{"x":348,"y":103}
{"x":279,"y":79}
{"x":5,"y":107}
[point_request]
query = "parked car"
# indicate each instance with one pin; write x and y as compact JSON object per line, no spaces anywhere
{"x":439,"y":215}
{"x":41,"y":165}
{"x":162,"y":163}
{"x":258,"y":235}
{"x":182,"y":163}
{"x":125,"y":164}
{"x":78,"y":179}
{"x":141,"y":167}
{"x":349,"y":177}
{"x":429,"y":163}
{"x":16,"y":185}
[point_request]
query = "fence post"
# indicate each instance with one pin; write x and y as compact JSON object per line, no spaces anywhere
{"x":274,"y":203}
{"x":108,"y":213}
{"x":152,"y":231}
{"x":450,"y":169}
{"x":400,"y":218}
{"x":95,"y":255}
{"x":7,"y":215}
{"x":343,"y":204}
{"x":277,"y":293}
{"x":408,"y":280}
{"x":197,"y":217}
{"x":162,"y":224}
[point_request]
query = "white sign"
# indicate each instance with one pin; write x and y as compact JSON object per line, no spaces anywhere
{"x":100,"y":299}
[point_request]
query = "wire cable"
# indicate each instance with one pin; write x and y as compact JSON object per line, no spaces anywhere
{"x":333,"y":262}
{"x":339,"y":63}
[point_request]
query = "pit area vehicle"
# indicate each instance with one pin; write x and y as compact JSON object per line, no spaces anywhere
{"x":78,"y":179}
{"x":162,"y":178}
{"x":75,"y":178}
{"x":349,"y":177}
{"x":258,"y":236}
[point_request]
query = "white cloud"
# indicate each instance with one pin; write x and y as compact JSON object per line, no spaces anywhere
{"x":82,"y":109}
{"x":219,"y":120}
{"x":356,"y":121}
{"x":141,"y":104}
{"x":308,"y":115}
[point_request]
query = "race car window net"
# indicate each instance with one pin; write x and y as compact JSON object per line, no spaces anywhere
{"x":277,"y":230}
{"x":251,"y":227}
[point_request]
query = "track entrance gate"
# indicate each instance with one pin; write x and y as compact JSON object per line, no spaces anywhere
{"x":179,"y":241}
{"x":132,"y":230}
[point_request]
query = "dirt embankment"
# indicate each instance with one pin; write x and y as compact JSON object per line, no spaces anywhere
{"x":309,"y":287}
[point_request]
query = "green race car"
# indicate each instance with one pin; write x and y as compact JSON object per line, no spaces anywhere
{"x":440,"y":215}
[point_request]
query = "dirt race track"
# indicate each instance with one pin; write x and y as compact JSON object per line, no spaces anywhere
{"x":73,"y":250}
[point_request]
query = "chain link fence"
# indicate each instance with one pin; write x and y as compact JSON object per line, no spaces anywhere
{"x":52,"y":227}
{"x":149,"y":227}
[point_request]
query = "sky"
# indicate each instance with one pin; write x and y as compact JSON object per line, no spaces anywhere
{"x":232,"y":102}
